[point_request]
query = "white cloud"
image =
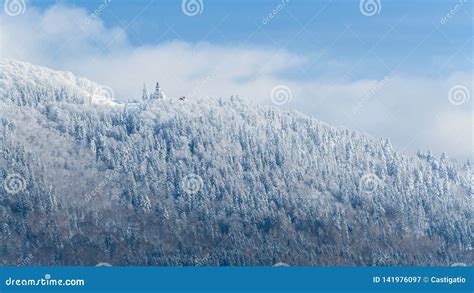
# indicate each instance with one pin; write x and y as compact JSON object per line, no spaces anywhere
{"x":414,"y":112}
{"x":59,"y":32}
{"x":455,"y":130}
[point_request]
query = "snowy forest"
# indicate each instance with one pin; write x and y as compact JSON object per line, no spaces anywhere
{"x":165,"y":181}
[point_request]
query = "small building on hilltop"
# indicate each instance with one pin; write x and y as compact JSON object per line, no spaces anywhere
{"x":158,"y":94}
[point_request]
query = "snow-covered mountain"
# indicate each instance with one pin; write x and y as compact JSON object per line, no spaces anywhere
{"x":220,"y":181}
{"x":26,"y":84}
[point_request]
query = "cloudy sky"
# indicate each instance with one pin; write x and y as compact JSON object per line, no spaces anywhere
{"x":397,"y":69}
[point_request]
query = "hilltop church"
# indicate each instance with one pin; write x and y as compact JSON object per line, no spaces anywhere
{"x":158,"y":94}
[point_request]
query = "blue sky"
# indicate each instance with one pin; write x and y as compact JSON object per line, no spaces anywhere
{"x":389,"y":74}
{"x":323,"y":29}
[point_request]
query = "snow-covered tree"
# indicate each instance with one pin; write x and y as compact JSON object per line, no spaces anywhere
{"x":212,"y":181}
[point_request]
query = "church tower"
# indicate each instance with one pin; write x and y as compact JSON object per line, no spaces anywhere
{"x":158,"y":94}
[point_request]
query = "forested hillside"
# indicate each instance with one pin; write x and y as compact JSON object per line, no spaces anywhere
{"x":212,"y":181}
